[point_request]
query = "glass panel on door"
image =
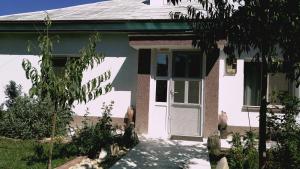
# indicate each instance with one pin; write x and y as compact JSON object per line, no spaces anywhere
{"x":194,"y":92}
{"x":162,"y":65}
{"x":179,"y":91}
{"x":187,"y":65}
{"x":161,"y":90}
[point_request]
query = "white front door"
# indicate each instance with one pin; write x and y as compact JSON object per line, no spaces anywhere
{"x":185,"y":103}
{"x":176,"y":94}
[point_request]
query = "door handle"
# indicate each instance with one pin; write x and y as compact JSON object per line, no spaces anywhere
{"x":173,"y":92}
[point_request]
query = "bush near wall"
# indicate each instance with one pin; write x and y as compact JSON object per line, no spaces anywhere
{"x":285,"y":131}
{"x":91,"y":138}
{"x":30,"y":118}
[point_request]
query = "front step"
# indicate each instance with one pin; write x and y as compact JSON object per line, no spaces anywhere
{"x":187,"y":138}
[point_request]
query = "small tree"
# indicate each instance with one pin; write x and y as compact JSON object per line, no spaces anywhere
{"x":12,"y":91}
{"x":64,"y":90}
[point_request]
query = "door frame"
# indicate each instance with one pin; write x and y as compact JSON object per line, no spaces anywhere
{"x":169,"y":79}
{"x":201,"y":96}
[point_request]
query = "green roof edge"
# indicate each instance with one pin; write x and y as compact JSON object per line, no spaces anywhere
{"x":114,"y":26}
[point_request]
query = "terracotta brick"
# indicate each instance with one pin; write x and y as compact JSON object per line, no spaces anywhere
{"x":142,"y":103}
{"x":211,"y":92}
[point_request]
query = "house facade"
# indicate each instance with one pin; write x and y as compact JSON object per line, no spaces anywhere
{"x":173,"y":88}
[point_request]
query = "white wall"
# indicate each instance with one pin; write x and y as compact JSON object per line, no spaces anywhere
{"x":122,"y":99}
{"x":120,"y":59}
{"x":11,"y":69}
{"x":231,"y":95}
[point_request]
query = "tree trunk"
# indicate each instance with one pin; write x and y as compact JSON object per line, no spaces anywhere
{"x":52,"y":138}
{"x":263,"y":114}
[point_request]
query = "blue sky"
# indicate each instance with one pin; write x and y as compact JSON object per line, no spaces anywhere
{"x":18,"y":6}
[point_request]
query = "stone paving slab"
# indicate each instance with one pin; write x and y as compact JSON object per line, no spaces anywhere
{"x":165,"y":154}
{"x":71,"y":163}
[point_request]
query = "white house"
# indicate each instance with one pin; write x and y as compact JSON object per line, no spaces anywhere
{"x":174,"y":89}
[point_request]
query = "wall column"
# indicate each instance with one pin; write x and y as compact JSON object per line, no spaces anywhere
{"x":143,"y":91}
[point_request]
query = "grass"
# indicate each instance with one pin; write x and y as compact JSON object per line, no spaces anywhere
{"x":15,"y":154}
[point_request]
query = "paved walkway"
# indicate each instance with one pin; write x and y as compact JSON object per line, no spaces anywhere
{"x":165,"y":154}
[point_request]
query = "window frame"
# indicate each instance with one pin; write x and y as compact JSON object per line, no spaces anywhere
{"x":233,"y":66}
{"x":186,"y":80}
{"x":186,"y":91}
{"x":65,"y":57}
{"x":166,"y":78}
{"x":255,"y":108}
{"x":187,"y":71}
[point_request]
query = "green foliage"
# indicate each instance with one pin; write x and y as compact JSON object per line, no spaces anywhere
{"x":263,"y":25}
{"x":40,"y":152}
{"x":92,"y":137}
{"x":30,"y":118}
{"x":12,"y":91}
{"x":266,"y":30}
{"x":18,"y":154}
{"x":286,"y":132}
{"x":243,"y":156}
{"x":64,"y":90}
{"x":250,"y":151}
{"x":236,"y":156}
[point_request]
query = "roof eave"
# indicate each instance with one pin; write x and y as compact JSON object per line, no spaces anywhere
{"x":96,"y":25}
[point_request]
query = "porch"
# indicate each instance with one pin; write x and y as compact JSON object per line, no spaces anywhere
{"x":159,"y":153}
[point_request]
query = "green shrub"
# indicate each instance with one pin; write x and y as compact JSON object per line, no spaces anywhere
{"x":236,"y":156}
{"x":30,"y":118}
{"x":92,"y":137}
{"x":41,"y":152}
{"x":250,"y":151}
{"x":243,"y":156}
{"x":286,"y":132}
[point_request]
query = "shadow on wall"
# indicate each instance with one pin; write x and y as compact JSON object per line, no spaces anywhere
{"x":162,"y":154}
{"x":112,"y":45}
{"x":212,"y":58}
{"x":117,"y":45}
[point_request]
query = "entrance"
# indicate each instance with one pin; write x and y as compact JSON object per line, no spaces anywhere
{"x":176,"y":106}
{"x":186,"y":94}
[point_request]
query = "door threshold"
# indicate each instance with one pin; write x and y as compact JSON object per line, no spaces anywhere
{"x":187,"y":138}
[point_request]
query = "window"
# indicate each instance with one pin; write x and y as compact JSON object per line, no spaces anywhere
{"x":186,"y":92}
{"x":59,"y":63}
{"x":231,"y":66}
{"x":162,"y":69}
{"x":187,"y":73}
{"x":193,"y":94}
{"x":162,"y":65}
{"x":277,"y":83}
{"x":187,"y":64}
{"x":179,"y":91}
{"x":252,"y":84}
{"x":252,"y":79}
{"x":161,"y":90}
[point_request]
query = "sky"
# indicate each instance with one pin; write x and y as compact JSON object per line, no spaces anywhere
{"x":19,"y":6}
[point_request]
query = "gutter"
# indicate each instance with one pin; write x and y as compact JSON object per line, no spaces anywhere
{"x":96,"y":25}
